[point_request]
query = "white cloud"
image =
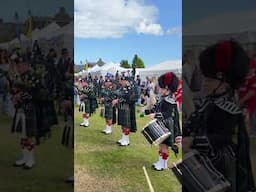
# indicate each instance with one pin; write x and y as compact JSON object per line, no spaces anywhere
{"x":149,"y":28}
{"x":174,"y":31}
{"x":114,"y":18}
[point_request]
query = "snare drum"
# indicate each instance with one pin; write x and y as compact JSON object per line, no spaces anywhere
{"x":155,"y":132}
{"x":196,"y":173}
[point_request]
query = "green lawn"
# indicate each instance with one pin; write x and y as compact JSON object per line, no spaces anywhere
{"x":54,"y":164}
{"x":101,"y":165}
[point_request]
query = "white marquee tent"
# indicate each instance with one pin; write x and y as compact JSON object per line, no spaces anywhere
{"x":155,"y":70}
{"x":158,"y":69}
{"x":95,"y":69}
{"x":107,"y":68}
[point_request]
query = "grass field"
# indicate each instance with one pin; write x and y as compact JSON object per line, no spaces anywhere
{"x":54,"y":164}
{"x":101,"y":165}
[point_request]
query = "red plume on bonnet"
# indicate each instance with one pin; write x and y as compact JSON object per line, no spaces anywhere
{"x":168,"y":79}
{"x":223,"y":56}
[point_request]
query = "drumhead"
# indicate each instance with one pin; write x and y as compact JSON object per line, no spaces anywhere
{"x":152,"y":121}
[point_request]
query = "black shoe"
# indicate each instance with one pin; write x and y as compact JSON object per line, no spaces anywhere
{"x":18,"y":165}
{"x":124,"y":145}
{"x":27,"y":167}
{"x":153,"y":167}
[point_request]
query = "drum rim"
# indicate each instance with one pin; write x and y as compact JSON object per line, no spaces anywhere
{"x":152,"y":121}
{"x":156,"y":142}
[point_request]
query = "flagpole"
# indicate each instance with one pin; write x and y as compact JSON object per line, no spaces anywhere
{"x":30,"y":27}
{"x":18,"y":29}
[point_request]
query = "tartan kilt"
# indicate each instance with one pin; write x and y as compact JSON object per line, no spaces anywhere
{"x":93,"y":105}
{"x":84,"y":106}
{"x":108,"y":111}
{"x":43,"y":121}
{"x":51,"y":113}
{"x":88,"y":106}
{"x":67,"y":138}
{"x":114,"y":115}
{"x":25,"y":121}
{"x":168,"y":141}
{"x":68,"y":133}
{"x":169,"y":124}
{"x":124,"y":118}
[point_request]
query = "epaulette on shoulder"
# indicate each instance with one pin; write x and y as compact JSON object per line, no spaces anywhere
{"x":228,"y":106}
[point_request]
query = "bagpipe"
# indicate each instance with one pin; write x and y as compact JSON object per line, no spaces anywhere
{"x":85,"y":91}
{"x":110,"y":96}
{"x":118,"y":94}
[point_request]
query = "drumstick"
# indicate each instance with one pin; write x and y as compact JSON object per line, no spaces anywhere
{"x":148,"y":180}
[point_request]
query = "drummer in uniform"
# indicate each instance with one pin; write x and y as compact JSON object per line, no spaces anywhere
{"x":219,"y":118}
{"x":126,"y":110}
{"x":167,"y":112}
{"x":107,"y":98}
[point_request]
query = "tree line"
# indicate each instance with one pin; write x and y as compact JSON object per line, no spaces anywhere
{"x":137,"y":62}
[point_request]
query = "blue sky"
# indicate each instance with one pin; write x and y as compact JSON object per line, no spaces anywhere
{"x":156,"y":40}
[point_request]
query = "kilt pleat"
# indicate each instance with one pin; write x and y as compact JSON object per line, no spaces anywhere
{"x":124,"y":118}
{"x":108,"y":111}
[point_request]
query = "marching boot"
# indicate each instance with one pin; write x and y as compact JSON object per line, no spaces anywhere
{"x":21,"y":162}
{"x":31,"y":160}
{"x":159,"y":159}
{"x":104,"y":131}
{"x":85,"y":123}
{"x":108,"y":130}
{"x":125,"y":141}
{"x":82,"y":124}
{"x":121,"y":140}
{"x":163,"y":163}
